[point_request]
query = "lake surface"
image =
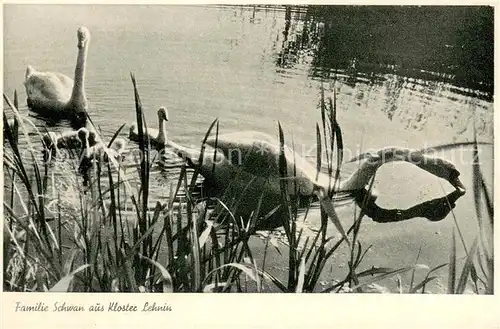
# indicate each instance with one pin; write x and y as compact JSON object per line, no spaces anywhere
{"x":252,"y":67}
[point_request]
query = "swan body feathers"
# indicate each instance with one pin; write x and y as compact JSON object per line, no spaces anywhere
{"x":47,"y":90}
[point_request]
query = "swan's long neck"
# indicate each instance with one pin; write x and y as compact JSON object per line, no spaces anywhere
{"x":86,"y":151}
{"x":357,"y":180}
{"x":162,"y":134}
{"x":78,"y":94}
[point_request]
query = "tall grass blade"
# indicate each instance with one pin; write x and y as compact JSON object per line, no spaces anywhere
{"x":422,"y":284}
{"x":329,"y":208}
{"x":116,"y":134}
{"x":452,"y":265}
{"x":413,"y":272}
{"x":323,"y":121}
{"x":387,"y":275}
{"x":64,"y":284}
{"x":247,"y":269}
{"x":16,"y":100}
{"x":166,"y":278}
{"x":302,"y":273}
{"x":202,"y":151}
{"x":318,"y":151}
{"x":340,"y":143}
{"x":462,"y":282}
{"x":476,"y":174}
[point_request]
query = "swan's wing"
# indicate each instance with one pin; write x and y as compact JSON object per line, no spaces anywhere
{"x":134,"y":133}
{"x":44,"y":87}
{"x":261,"y":158}
{"x":65,"y":80}
{"x":260,"y":149}
{"x":241,"y":137}
{"x":252,"y":156}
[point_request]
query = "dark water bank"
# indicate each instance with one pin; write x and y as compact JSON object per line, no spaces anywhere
{"x":451,"y":44}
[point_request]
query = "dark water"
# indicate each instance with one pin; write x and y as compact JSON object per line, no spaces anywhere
{"x":412,"y":77}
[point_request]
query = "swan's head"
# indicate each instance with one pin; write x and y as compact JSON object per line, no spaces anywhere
{"x":83,"y":35}
{"x":163,"y":113}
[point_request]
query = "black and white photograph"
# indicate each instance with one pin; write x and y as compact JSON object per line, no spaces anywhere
{"x":340,"y":149}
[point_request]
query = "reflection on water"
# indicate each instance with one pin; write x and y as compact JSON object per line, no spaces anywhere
{"x":450,"y":44}
{"x":371,"y":48}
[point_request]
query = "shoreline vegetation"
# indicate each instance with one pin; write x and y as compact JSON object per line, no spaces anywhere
{"x":194,"y":246}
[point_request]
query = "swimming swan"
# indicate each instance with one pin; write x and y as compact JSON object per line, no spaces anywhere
{"x":55,"y":95}
{"x":263,"y":150}
{"x":156,"y":137}
{"x":245,"y":164}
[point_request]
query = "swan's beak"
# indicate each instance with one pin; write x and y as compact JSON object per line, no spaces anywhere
{"x":83,"y":35}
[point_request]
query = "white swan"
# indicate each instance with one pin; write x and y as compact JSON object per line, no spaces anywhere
{"x":262,"y":150}
{"x":246,"y":164}
{"x":156,"y":137}
{"x":55,"y":95}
